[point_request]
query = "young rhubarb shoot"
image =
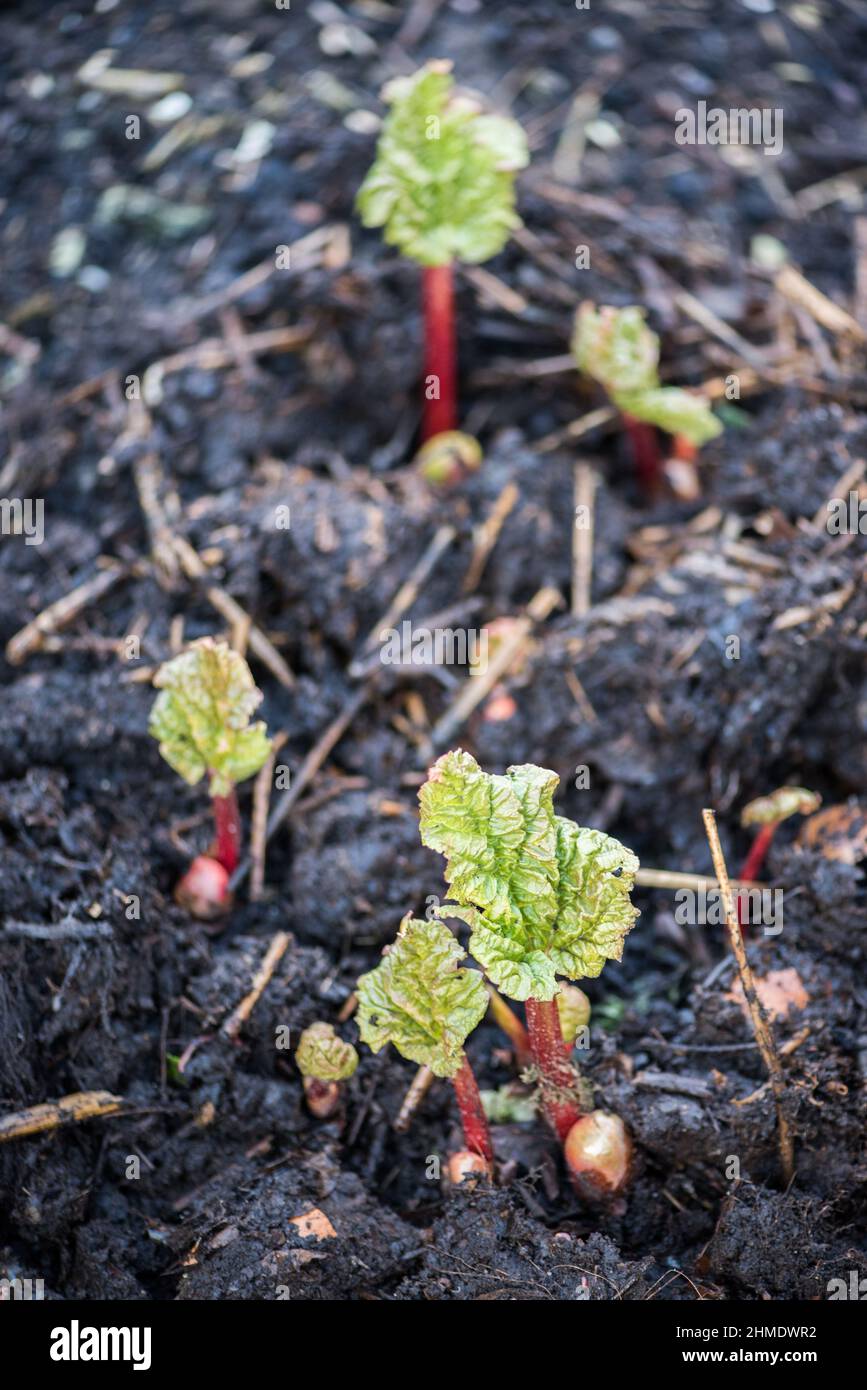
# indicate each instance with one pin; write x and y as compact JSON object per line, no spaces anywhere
{"x":201,"y":719}
{"x":442,"y":186}
{"x":542,"y":896}
{"x":573,"y":1007}
{"x":448,"y":458}
{"x":767,"y":812}
{"x":324,"y":1060}
{"x":616,"y":348}
{"x":419,"y":1000}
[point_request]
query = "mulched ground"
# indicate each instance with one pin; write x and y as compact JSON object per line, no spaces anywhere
{"x":120,"y":253}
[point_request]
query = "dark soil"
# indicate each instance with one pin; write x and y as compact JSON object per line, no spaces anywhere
{"x":91,"y":820}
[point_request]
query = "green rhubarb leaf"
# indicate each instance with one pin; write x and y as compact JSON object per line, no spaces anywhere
{"x":201,"y":716}
{"x":418,"y":999}
{"x":497,"y":833}
{"x":594,"y":912}
{"x":442,"y":183}
{"x":782,"y":803}
{"x":323,"y":1055}
{"x":673,"y":410}
{"x":616,"y":348}
{"x":541,"y":895}
{"x":573,"y":1006}
{"x":509,"y":1106}
{"x":504,"y":951}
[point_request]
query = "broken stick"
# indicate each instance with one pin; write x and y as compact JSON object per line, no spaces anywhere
{"x":61,"y":613}
{"x":81,"y":1105}
{"x":271,"y":959}
{"x":761,"y":1029}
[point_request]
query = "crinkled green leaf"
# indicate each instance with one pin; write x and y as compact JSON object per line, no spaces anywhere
{"x":673,"y":410}
{"x":201,"y":717}
{"x":617,"y":349}
{"x":782,"y":803}
{"x":509,"y":1106}
{"x":497,"y":833}
{"x":503,"y":948}
{"x":322,"y":1054}
{"x":541,"y":895}
{"x":594,"y":910}
{"x":442,"y":183}
{"x":418,"y":999}
{"x":573,"y":1006}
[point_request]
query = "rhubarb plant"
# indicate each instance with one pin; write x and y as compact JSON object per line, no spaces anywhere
{"x":766,"y":813}
{"x":201,"y":719}
{"x":543,"y":898}
{"x":442,"y":187}
{"x":422,"y":1001}
{"x":324,"y":1061}
{"x":617,"y":349}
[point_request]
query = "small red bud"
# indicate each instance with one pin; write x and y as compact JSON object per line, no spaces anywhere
{"x":204,"y":889}
{"x":598,"y":1152}
{"x":466,"y":1166}
{"x":499,"y":707}
{"x":323,"y":1097}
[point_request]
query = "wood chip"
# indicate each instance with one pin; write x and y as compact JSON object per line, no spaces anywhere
{"x":314,"y":1223}
{"x":780,"y":991}
{"x":839,"y":832}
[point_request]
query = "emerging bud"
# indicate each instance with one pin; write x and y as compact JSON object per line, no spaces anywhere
{"x":598,"y":1152}
{"x":784,"y":802}
{"x":573,"y":1007}
{"x":448,"y":457}
{"x":322,"y":1097}
{"x":204,"y":889}
{"x":466,"y":1167}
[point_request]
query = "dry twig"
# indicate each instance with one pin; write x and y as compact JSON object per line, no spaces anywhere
{"x":259,"y":826}
{"x":62,"y":612}
{"x":419,"y":1088}
{"x":476,"y":687}
{"x":582,"y":539}
{"x":761,"y":1028}
{"x":236,"y":616}
{"x":232,"y":1026}
{"x":37,"y":1119}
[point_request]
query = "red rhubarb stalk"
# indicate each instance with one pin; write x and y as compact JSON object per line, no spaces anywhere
{"x":645,"y":452}
{"x":228,"y":822}
{"x":753,"y":864}
{"x":440,"y":410}
{"x":552,"y":1058}
{"x":473,"y":1118}
{"x":758,"y":850}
